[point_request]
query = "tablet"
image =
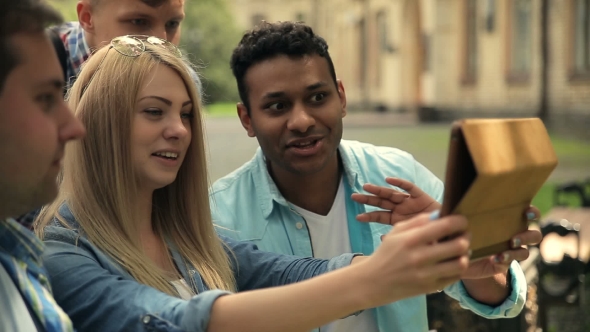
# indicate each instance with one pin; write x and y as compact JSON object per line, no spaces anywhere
{"x":494,"y":169}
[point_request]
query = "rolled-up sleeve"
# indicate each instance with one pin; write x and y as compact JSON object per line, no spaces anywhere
{"x":511,"y":307}
{"x":200,"y":307}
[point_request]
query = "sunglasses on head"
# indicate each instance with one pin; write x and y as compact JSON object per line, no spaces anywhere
{"x":134,"y":46}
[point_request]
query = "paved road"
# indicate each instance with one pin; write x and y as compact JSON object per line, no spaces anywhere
{"x":230,"y":147}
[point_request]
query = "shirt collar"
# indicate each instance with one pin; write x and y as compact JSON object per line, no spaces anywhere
{"x":19,"y":242}
{"x":72,"y":34}
{"x":268,"y":193}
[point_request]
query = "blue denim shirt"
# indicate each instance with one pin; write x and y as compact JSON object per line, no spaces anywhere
{"x":248,"y":206}
{"x":99,"y":295}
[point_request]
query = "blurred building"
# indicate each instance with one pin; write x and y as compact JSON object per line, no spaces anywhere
{"x":452,"y":58}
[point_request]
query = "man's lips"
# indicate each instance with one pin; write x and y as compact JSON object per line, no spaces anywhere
{"x":303,"y":142}
{"x":305,"y":148}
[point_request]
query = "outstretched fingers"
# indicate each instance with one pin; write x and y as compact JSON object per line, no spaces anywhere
{"x":385,"y":198}
{"x":405,"y":185}
{"x":382,"y":217}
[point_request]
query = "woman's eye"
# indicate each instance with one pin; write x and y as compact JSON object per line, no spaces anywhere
{"x":153,"y":111}
{"x":187,"y":115}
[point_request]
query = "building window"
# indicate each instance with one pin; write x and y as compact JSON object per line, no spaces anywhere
{"x":581,"y":44}
{"x":383,"y":32}
{"x":300,"y":17}
{"x":470,"y":42}
{"x":256,"y":19}
{"x":426,"y":52}
{"x":520,"y":39}
{"x":490,"y":15}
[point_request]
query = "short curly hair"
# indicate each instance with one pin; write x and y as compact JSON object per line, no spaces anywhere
{"x":268,"y":40}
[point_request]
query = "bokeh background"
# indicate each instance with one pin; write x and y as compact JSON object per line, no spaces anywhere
{"x":410,"y":67}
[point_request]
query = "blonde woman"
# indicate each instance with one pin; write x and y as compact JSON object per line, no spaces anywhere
{"x":130,"y":242}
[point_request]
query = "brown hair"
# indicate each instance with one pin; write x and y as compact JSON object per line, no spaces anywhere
{"x":18,"y":16}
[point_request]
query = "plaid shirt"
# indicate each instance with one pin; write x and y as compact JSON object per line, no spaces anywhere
{"x":72,"y":35}
{"x":20,"y":255}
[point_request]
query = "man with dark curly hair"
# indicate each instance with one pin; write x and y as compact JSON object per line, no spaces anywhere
{"x":299,"y":194}
{"x":35,"y":125}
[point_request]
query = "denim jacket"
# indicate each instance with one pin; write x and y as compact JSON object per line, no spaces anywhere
{"x":248,"y":206}
{"x":99,"y":295}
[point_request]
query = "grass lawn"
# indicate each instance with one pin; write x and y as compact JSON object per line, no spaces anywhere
{"x":569,"y":153}
{"x":545,"y":198}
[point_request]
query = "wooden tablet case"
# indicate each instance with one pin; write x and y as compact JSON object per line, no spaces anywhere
{"x":494,"y":169}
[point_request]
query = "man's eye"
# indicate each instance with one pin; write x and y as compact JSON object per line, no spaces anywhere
{"x":277,"y":107}
{"x":318,"y":97}
{"x":47,"y":100}
{"x":172,"y":25}
{"x":139,"y":22}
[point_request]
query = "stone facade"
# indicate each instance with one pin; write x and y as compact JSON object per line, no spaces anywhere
{"x":446,"y":59}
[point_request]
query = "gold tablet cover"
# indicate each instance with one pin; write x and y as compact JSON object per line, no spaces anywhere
{"x":494,"y":169}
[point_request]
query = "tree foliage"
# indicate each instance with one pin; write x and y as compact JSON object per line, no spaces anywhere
{"x":209,"y":35}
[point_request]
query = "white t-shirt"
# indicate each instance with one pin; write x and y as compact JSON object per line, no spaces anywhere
{"x":14,"y":314}
{"x":329,"y":238}
{"x":183,"y":289}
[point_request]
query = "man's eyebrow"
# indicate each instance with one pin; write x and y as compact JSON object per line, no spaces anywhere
{"x":272,"y":95}
{"x":143,"y":14}
{"x":316,"y":86}
{"x":158,"y":3}
{"x":154,"y":3}
{"x":52,"y":82}
{"x":278,"y":94}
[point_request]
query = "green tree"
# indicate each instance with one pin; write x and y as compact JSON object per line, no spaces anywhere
{"x":209,"y":36}
{"x":67,"y":8}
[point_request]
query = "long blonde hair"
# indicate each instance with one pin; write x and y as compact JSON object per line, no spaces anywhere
{"x":98,"y":181}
